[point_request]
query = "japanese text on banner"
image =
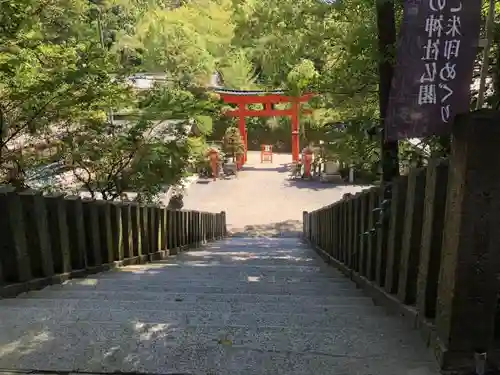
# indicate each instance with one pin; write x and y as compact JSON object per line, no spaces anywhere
{"x":443,"y":35}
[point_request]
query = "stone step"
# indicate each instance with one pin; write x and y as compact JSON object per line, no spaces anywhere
{"x":74,"y":293}
{"x":165,"y":279}
{"x":208,"y":262}
{"x":71,"y":293}
{"x":230,"y":288}
{"x":213,"y":273}
{"x":204,"y":278}
{"x":343,"y":341}
{"x":253,"y":259}
{"x":249,"y":241}
{"x":346,"y":304}
{"x":161,"y":349}
{"x":261,"y":245}
{"x":186,"y":266}
{"x":258,"y":250}
{"x":254,"y":317}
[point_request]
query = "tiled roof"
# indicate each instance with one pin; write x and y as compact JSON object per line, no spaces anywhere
{"x":246,"y":92}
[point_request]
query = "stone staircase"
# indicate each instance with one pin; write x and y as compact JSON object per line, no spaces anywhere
{"x":266,"y":306}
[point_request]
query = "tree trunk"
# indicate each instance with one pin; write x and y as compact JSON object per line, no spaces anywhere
{"x":386,"y":25}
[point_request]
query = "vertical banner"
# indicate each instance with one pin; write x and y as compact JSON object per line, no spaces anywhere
{"x":435,"y":57}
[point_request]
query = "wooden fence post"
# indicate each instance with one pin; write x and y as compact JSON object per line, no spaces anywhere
{"x":315,"y":227}
{"x":304,"y":224}
{"x":189,"y":220}
{"x":135,"y":217}
{"x":355,"y":233}
{"x":183,"y":228}
{"x":321,"y":231}
{"x":105,"y":230}
{"x":153,"y":230}
{"x":329,"y":225}
{"x":92,"y":235}
{"x":382,"y":240}
{"x":14,"y":258}
{"x":224,"y":224}
{"x":396,"y":226}
{"x":117,"y":230}
{"x":145,"y":233}
{"x":412,"y":236}
{"x":196,"y":224}
{"x":162,"y":211}
{"x":363,"y":241}
{"x":76,"y":232}
{"x":343,"y":231}
{"x":432,"y":237}
{"x":58,"y":230}
{"x":338,"y":230}
{"x":172,"y":235}
{"x":177,"y":228}
{"x":211,"y":223}
{"x":374,"y":202}
{"x":202,"y":228}
{"x":37,"y":239}
{"x":127,"y":230}
{"x":468,"y":283}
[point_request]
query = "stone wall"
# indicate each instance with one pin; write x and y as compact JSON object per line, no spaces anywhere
{"x":432,"y":252}
{"x":48,"y":239}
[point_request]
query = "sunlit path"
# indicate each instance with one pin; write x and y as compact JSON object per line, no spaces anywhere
{"x":263,"y":195}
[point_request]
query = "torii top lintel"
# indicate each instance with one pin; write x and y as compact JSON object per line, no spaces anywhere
{"x":260,"y":97}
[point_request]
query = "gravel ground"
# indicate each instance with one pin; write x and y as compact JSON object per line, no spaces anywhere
{"x":263,"y":200}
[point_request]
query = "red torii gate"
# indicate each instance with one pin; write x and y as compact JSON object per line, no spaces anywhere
{"x":268,"y":99}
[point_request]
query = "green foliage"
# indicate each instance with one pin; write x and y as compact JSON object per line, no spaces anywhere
{"x":185,"y":42}
{"x":57,"y":84}
{"x":351,"y":144}
{"x":48,"y":77}
{"x":301,"y":76}
{"x":238,"y":71}
{"x":203,"y":125}
{"x":143,"y":155}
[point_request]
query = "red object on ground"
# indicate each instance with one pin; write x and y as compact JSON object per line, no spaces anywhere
{"x":244,"y":98}
{"x":239,"y":161}
{"x":214,"y":162}
{"x":307,"y":163}
{"x":266,"y":153}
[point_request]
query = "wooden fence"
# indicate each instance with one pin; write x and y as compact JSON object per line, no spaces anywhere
{"x":48,"y":239}
{"x":430,"y":252}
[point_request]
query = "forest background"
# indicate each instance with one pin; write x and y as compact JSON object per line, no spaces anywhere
{"x":67,"y":98}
